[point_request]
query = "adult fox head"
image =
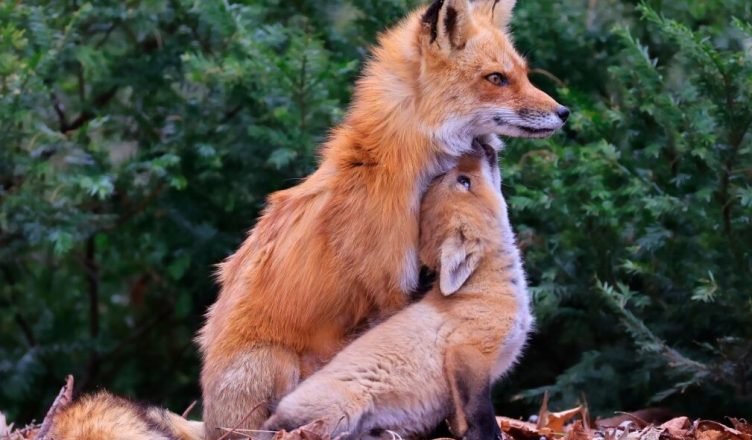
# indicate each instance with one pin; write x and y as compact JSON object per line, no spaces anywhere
{"x":473,"y":78}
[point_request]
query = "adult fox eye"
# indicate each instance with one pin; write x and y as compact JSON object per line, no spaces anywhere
{"x":498,"y":79}
{"x":464,"y":181}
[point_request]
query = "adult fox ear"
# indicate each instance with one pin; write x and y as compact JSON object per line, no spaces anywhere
{"x":459,"y":259}
{"x":446,"y":24}
{"x":499,"y":11}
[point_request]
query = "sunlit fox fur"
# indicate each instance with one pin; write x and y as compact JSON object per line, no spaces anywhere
{"x":340,"y":249}
{"x":438,"y":357}
{"x":102,"y":416}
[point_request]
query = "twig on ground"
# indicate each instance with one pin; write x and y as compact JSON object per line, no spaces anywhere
{"x":232,"y":430}
{"x":634,"y":418}
{"x":189,"y":409}
{"x":62,"y":400}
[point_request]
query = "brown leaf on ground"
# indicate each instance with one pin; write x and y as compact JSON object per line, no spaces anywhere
{"x":642,"y":417}
{"x":519,"y":430}
{"x":741,"y":425}
{"x":27,"y":433}
{"x":555,"y":421}
{"x":577,"y":431}
{"x":678,"y":428}
{"x":647,"y":433}
{"x":710,"y":430}
{"x":710,"y":434}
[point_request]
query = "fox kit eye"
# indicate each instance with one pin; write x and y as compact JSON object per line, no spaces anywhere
{"x":498,"y":79}
{"x":464,"y":181}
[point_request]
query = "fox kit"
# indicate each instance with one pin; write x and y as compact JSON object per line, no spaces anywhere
{"x":102,"y":416}
{"x":340,"y":248}
{"x":439,"y":356}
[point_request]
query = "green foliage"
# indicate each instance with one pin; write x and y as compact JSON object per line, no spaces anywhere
{"x":639,"y":215}
{"x":138,"y":141}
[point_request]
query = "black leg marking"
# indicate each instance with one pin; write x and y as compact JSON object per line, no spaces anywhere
{"x":481,"y":418}
{"x":478,"y":408}
{"x":473,"y":417}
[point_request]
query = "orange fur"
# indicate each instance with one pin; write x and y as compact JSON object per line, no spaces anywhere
{"x":340,"y":249}
{"x":465,"y":334}
{"x":102,"y":416}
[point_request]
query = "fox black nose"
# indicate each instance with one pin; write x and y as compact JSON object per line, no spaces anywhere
{"x":563,"y":113}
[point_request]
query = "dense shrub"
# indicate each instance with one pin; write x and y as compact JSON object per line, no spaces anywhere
{"x":139,"y":139}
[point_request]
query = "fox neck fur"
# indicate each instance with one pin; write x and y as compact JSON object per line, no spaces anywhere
{"x":390,"y":127}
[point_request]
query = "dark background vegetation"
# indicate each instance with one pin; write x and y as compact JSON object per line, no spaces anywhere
{"x":139,"y":138}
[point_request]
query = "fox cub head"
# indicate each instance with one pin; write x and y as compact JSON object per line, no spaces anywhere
{"x":461,"y":218}
{"x":471,"y":71}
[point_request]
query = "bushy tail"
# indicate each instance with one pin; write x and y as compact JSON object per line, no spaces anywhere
{"x":103,"y":416}
{"x":184,"y":429}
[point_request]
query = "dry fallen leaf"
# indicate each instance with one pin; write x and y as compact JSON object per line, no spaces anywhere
{"x":710,"y":434}
{"x":519,"y":430}
{"x":642,"y":417}
{"x":555,"y":421}
{"x":577,"y":432}
{"x":711,"y":430}
{"x":651,"y":433}
{"x":678,"y":427}
{"x":741,"y":425}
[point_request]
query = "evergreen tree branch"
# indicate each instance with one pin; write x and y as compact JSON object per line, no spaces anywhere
{"x":645,"y":338}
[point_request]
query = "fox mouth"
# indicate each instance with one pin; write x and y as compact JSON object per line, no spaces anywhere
{"x":524,"y":130}
{"x":535,"y":132}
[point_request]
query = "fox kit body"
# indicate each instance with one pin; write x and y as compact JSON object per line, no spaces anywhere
{"x":102,"y":416}
{"x":438,"y":357}
{"x":340,"y":248}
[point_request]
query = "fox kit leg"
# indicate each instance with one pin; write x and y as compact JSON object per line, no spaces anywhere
{"x":338,"y":407}
{"x":469,"y":383}
{"x":256,"y":378}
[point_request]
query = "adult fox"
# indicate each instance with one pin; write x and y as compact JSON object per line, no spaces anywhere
{"x":339,"y":249}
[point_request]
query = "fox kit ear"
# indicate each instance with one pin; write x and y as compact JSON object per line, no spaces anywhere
{"x":459,"y":259}
{"x":446,"y":24}
{"x":499,"y":11}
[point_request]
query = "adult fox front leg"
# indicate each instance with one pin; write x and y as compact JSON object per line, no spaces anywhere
{"x":340,"y":248}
